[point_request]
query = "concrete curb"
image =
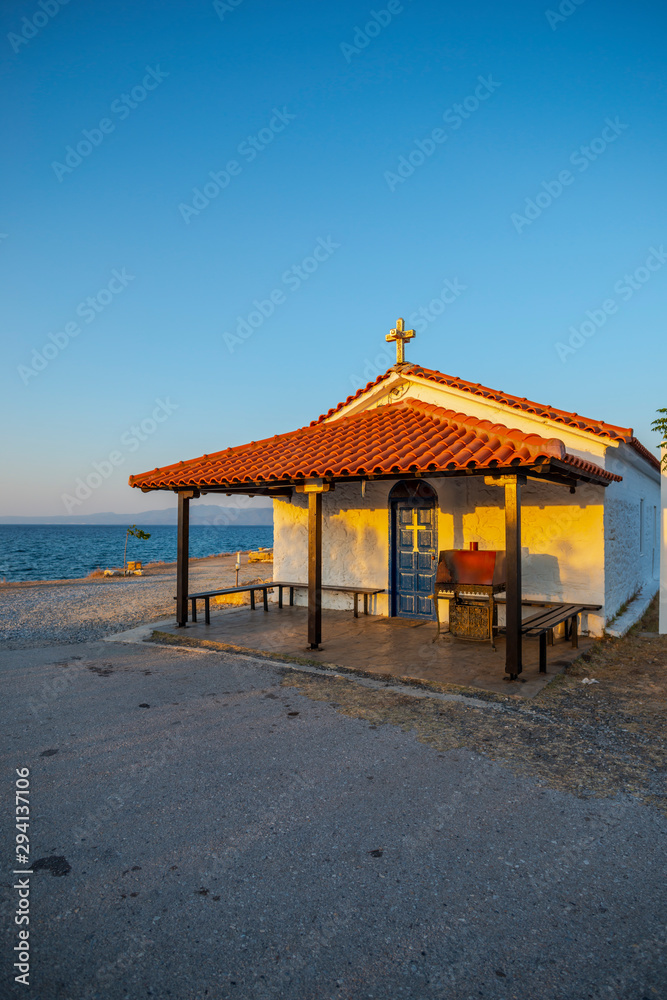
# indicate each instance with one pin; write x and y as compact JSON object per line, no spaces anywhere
{"x":138,"y":634}
{"x":151,"y":635}
{"x":406,"y":683}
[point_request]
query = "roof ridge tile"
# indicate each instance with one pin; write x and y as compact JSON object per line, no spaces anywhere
{"x":400,"y":438}
{"x":600,"y":428}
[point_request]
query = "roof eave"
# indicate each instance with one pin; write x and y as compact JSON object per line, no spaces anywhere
{"x":552,"y":471}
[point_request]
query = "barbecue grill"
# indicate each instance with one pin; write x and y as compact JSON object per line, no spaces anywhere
{"x":470,"y":579}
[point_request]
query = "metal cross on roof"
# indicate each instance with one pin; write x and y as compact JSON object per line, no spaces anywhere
{"x":400,"y":335}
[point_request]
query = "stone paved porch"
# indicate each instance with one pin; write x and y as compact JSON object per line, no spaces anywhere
{"x":382,"y":647}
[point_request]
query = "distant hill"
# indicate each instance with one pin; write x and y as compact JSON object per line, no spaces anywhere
{"x":200,"y":513}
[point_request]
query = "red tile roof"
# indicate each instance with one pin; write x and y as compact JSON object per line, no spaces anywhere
{"x":398,"y":439}
{"x":598,"y":427}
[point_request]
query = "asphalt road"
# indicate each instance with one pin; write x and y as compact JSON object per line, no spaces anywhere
{"x":219,"y":835}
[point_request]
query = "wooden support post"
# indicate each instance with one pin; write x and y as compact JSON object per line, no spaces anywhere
{"x":543,"y":652}
{"x":513,"y":651}
{"x":182,"y":557}
{"x":314,"y":569}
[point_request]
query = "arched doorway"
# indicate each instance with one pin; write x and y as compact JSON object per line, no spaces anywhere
{"x":413,"y":549}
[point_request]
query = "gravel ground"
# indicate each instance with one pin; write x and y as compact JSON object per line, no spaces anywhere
{"x":201,"y":829}
{"x":596,"y":739}
{"x":65,"y":611}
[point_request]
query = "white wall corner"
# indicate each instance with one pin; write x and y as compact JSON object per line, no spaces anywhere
{"x":635,"y":610}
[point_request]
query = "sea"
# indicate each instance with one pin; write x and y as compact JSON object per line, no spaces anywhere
{"x":70,"y":551}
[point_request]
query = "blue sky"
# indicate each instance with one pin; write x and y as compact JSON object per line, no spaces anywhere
{"x":305,"y":112}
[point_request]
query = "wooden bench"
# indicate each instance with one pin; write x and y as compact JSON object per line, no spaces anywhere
{"x":358,"y":592}
{"x":542,"y":625}
{"x":206,"y":596}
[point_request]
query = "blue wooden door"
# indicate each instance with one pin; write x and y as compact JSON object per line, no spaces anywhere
{"x":414,"y":559}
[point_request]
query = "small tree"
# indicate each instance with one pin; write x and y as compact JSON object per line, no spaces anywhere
{"x":661,"y":425}
{"x":136,"y":533}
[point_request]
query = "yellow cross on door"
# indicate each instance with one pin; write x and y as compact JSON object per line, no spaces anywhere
{"x":414,"y":528}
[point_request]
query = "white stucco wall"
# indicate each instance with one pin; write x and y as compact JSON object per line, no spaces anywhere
{"x":562,"y":538}
{"x":632,"y":548}
{"x":581,"y":547}
{"x":355,"y":542}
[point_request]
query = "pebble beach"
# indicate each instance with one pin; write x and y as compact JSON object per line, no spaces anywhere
{"x":51,"y":612}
